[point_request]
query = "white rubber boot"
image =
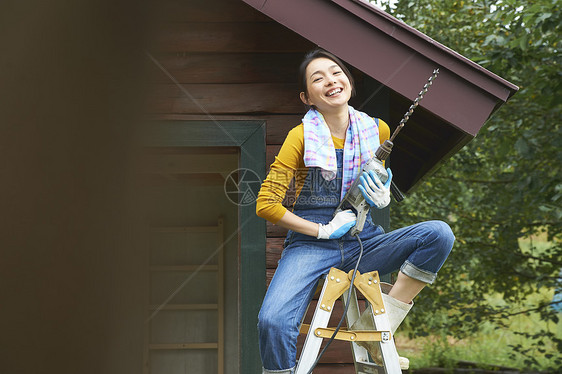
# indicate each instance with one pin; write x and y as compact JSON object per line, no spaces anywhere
{"x":396,"y":311}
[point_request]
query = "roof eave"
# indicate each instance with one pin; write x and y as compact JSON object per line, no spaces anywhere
{"x":397,"y":55}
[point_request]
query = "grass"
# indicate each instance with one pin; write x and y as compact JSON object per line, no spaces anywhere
{"x":491,"y":345}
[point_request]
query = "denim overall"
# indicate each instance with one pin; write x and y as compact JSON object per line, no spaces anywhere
{"x":418,"y":251}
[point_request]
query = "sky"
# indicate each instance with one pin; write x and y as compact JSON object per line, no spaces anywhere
{"x":379,"y":3}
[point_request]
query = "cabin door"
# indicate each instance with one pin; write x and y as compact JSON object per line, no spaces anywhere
{"x":192,"y":261}
{"x":203,"y":285}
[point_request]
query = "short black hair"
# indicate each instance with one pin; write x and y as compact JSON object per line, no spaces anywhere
{"x":319,"y":53}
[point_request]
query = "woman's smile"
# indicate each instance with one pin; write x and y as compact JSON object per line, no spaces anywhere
{"x":335,"y":91}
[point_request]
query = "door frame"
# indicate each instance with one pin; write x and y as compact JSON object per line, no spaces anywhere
{"x":249,"y":137}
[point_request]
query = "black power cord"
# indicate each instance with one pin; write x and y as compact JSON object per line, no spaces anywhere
{"x":346,"y":305}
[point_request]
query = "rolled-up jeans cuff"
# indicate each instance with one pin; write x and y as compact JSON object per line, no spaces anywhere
{"x":287,"y":371}
{"x":415,"y":272}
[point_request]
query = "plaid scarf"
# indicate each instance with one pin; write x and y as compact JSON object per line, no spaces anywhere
{"x":361,"y":143}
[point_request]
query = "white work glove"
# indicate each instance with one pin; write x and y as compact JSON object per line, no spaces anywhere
{"x":374,"y":192}
{"x":338,"y":226}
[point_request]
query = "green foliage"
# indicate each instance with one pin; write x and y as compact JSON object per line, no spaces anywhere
{"x":492,"y":345}
{"x":504,"y":188}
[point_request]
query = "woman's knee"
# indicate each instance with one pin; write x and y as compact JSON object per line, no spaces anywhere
{"x":438,"y":235}
{"x":442,"y":235}
{"x":272,"y":322}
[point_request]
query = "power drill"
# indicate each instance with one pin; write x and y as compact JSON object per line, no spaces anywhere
{"x":353,"y":197}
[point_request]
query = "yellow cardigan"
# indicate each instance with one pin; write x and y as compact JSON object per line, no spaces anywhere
{"x":289,"y":164}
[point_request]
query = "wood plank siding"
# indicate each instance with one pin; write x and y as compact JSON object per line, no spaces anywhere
{"x":223,"y":60}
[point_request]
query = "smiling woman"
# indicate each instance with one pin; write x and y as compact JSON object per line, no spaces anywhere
{"x":324,"y":155}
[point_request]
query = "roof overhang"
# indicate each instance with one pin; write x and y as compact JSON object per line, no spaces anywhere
{"x":458,"y":104}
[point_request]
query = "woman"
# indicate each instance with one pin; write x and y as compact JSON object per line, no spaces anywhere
{"x":324,"y":155}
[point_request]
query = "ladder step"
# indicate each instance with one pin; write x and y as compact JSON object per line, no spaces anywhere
{"x":368,"y":368}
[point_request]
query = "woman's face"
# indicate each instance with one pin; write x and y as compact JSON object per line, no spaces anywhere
{"x":328,"y":88}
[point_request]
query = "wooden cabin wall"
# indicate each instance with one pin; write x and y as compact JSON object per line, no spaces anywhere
{"x":231,"y":62}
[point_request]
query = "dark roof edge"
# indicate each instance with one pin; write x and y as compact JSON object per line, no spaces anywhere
{"x":412,"y":37}
{"x":468,"y":93}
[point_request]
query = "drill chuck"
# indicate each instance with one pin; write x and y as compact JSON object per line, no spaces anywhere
{"x":383,"y":151}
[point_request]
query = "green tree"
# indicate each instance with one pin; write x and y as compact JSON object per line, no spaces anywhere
{"x":504,"y":188}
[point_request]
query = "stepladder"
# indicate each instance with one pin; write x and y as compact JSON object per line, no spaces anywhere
{"x":366,"y":326}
